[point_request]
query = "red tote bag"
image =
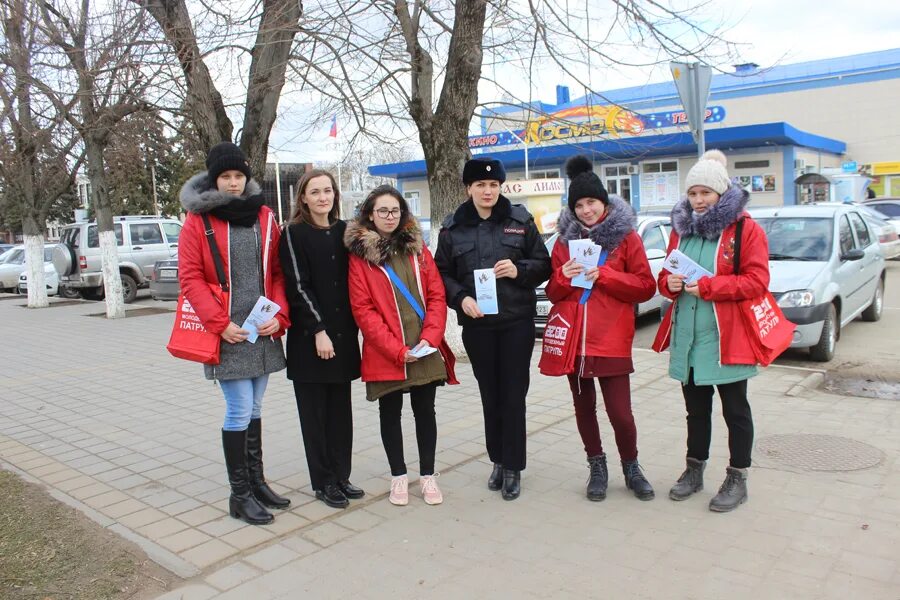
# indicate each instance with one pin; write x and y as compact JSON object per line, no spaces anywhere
{"x":769,"y":331}
{"x":190,"y":340}
{"x":561,"y":339}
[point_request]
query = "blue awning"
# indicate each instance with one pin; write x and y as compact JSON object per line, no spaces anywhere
{"x":646,"y":146}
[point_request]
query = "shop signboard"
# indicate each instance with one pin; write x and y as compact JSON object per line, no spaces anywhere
{"x":590,"y":121}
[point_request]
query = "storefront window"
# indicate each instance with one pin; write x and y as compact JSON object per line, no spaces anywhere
{"x":412,"y":198}
{"x":659,"y":183}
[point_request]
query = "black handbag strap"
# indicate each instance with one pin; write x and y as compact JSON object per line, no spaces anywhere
{"x":737,"y":244}
{"x":217,"y":257}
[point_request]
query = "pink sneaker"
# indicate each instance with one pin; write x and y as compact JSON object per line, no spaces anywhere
{"x":430,"y":490}
{"x":400,"y":490}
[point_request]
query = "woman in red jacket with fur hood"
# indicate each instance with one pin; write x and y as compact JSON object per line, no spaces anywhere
{"x":398,"y":300}
{"x":247,"y":237}
{"x":606,"y":319}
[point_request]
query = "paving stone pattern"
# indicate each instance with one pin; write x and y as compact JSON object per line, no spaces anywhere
{"x":99,"y":413}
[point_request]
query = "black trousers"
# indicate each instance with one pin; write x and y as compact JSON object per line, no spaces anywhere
{"x":738,"y":418}
{"x":390,"y":407}
{"x":326,"y":422}
{"x":501,"y":362}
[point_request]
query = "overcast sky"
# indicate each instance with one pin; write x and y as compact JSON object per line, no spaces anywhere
{"x":769,"y":32}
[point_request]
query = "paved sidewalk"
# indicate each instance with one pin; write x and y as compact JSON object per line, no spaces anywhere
{"x":99,"y":413}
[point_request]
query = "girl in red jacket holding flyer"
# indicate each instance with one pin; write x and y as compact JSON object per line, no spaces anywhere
{"x":603,"y":330}
{"x":709,"y":344}
{"x":398,"y":301}
{"x":225,"y":200}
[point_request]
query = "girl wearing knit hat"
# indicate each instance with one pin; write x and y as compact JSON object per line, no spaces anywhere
{"x":226,"y":201}
{"x":607,"y":319}
{"x":709,"y":345}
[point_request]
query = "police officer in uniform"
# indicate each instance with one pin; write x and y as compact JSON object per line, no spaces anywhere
{"x":488,"y":232}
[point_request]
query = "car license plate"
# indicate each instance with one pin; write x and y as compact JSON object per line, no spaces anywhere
{"x":543,"y":310}
{"x":168,"y":273}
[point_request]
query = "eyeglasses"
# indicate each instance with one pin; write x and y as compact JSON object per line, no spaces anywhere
{"x":393,"y":213}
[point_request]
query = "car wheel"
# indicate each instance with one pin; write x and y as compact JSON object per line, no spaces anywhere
{"x":69,"y":293}
{"x":129,"y":288}
{"x":873,"y":312}
{"x":93,"y":294}
{"x":823,"y":351}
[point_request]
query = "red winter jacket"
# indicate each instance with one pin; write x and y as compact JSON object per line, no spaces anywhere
{"x":375,"y":309}
{"x":608,"y":322}
{"x":196,"y":269}
{"x":725,"y":290}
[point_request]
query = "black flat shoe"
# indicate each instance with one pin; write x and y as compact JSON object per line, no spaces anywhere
{"x":350,"y":490}
{"x":511,"y":484}
{"x":495,"y":481}
{"x":332,"y":495}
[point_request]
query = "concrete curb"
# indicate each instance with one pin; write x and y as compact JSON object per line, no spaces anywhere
{"x":813,"y":381}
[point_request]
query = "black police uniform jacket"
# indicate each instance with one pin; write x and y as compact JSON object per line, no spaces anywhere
{"x":468,"y":242}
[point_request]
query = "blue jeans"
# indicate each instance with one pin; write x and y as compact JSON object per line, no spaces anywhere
{"x":243,"y":401}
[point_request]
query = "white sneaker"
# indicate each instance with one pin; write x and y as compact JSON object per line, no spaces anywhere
{"x":399,"y":490}
{"x":430,"y":490}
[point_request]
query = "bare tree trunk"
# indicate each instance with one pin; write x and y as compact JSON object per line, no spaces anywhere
{"x":112,"y":283}
{"x":34,"y":262}
{"x":278,"y":26}
{"x":444,"y":132}
{"x":25,"y":148}
{"x":204,"y":102}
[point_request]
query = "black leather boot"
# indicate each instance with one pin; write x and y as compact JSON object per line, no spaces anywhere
{"x":332,"y":495}
{"x":733,"y":492}
{"x":350,"y":491}
{"x":259,"y":487}
{"x":599,"y":478}
{"x":635,"y":480}
{"x":690,"y":482}
{"x":242,"y":504}
{"x":512,"y":486}
{"x":495,"y":481}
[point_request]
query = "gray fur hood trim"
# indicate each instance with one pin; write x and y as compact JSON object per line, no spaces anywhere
{"x":620,"y":221}
{"x":368,"y":244}
{"x":711,"y":224}
{"x":196,"y":197}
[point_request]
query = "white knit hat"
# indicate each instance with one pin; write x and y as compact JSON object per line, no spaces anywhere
{"x":710,"y":171}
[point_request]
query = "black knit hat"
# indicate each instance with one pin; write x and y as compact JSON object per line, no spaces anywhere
{"x":479,"y":169}
{"x":583,"y":182}
{"x":225,"y":156}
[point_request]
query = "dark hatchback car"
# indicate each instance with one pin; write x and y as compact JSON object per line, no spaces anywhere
{"x":164,"y":281}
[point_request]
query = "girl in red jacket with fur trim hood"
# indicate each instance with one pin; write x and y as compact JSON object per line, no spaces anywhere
{"x":247,"y":237}
{"x":607,"y":319}
{"x":398,"y":300}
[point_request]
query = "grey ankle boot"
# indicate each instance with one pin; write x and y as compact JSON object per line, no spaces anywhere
{"x":733,"y":492}
{"x":599,"y":478}
{"x":690,"y":482}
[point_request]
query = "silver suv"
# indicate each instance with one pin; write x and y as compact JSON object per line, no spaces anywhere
{"x":141,"y":241}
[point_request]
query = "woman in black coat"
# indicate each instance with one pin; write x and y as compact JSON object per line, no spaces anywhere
{"x":322,"y":346}
{"x":488,"y":232}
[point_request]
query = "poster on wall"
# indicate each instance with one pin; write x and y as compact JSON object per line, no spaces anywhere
{"x":659,"y":189}
{"x":744,"y":182}
{"x":757,"y":183}
{"x":769,"y":183}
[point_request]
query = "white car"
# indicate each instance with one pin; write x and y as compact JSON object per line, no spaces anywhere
{"x":51,"y":280}
{"x":13,"y":269}
{"x":12,"y":265}
{"x":826,"y":269}
{"x":654,"y":230}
